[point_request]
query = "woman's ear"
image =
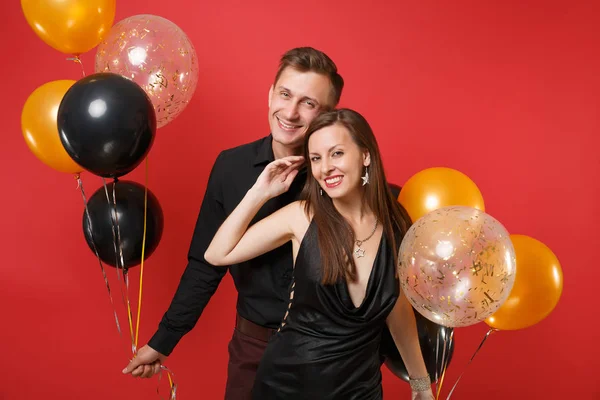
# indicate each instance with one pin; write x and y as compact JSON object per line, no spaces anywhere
{"x":366,"y":158}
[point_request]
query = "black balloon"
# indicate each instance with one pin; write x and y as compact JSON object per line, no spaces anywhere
{"x":431,"y":335}
{"x":130,"y":219}
{"x":107,"y":124}
{"x":395,"y":189}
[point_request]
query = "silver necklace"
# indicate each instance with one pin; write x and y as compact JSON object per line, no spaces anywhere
{"x":361,"y":252}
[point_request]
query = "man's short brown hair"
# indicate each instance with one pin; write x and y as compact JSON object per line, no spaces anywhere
{"x":306,"y":59}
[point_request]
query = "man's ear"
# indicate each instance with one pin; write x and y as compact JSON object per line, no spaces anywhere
{"x":270,"y":95}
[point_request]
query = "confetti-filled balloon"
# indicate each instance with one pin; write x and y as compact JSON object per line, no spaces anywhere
{"x":157,"y":55}
{"x":457,"y":266}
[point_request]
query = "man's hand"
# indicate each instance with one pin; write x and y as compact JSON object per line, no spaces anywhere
{"x":146,"y":363}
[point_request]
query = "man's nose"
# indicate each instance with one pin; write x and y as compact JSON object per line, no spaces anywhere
{"x":291,"y":111}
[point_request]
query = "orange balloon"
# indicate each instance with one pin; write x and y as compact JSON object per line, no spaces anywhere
{"x":438,"y":187}
{"x":40,"y":130}
{"x":537,"y":288}
{"x":70,"y":26}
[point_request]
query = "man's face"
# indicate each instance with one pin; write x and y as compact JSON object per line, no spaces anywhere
{"x":294,"y":101}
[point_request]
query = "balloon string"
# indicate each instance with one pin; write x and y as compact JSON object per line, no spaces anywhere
{"x":437,"y":358}
{"x":438,"y":362}
{"x":120,"y":263}
{"x":492,"y":330}
{"x":170,"y":375}
{"x":78,"y":61}
{"x":172,"y":384}
{"x":90,"y":232}
{"x":125,"y":270}
{"x":447,"y":342}
{"x":442,"y":361}
{"x":137,"y":324}
{"x":129,"y":313}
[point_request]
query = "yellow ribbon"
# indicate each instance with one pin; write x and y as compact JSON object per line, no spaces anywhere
{"x":139,"y":310}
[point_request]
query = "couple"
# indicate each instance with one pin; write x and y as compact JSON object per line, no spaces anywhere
{"x":323,"y":326}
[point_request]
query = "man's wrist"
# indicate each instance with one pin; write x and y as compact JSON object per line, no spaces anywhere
{"x":164,"y":341}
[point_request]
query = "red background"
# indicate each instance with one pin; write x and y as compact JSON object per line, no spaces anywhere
{"x":504,"y":91}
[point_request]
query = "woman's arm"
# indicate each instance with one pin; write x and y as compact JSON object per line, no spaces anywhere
{"x":403,"y":328}
{"x":234,"y":242}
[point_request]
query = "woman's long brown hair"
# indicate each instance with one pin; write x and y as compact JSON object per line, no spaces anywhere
{"x":335,"y":235}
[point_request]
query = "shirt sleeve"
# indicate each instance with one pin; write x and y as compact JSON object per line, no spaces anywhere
{"x":200,"y":279}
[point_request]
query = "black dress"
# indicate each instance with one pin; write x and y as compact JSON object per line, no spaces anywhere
{"x":327,"y":348}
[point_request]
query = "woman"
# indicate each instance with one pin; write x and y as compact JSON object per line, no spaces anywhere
{"x":345,"y":239}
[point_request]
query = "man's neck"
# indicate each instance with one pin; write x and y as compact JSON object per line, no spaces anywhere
{"x":280,"y":150}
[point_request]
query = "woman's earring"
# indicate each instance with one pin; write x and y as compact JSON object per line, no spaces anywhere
{"x":321,"y":191}
{"x":366,"y":177}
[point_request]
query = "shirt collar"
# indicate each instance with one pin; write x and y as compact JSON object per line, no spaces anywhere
{"x":265,"y":155}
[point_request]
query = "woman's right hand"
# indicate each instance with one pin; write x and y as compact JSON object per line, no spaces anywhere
{"x":277,"y":177}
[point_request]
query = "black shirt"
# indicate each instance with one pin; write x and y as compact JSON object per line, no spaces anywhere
{"x":262,"y":283}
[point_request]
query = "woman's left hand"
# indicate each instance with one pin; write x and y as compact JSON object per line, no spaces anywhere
{"x":425,"y":395}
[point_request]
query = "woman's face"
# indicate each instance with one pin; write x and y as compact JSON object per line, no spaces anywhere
{"x":337,"y":163}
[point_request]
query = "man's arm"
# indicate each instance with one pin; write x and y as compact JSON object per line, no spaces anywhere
{"x":200,"y":280}
{"x":196,"y":287}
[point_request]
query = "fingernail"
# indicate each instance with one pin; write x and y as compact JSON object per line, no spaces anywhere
{"x":124,"y":370}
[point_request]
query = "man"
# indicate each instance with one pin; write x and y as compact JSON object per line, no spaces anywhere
{"x":306,"y":83}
